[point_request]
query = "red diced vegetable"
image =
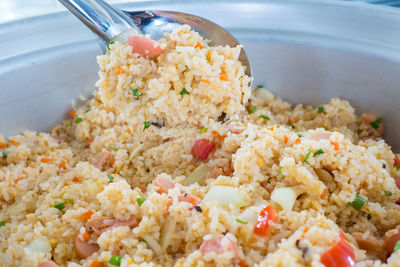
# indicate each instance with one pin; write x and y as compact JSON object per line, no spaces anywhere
{"x":340,"y":255}
{"x":391,"y":241}
{"x":202,"y":148}
{"x":262,"y":226}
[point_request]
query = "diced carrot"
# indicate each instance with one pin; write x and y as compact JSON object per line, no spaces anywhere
{"x":228,"y":172}
{"x":95,"y":264}
{"x":62,"y":165}
{"x":45,"y":160}
{"x":296,"y":120}
{"x":182,"y":246}
{"x":15,"y":143}
{"x":286,"y":139}
{"x":2,"y":145}
{"x":85,"y":236}
{"x":241,"y":99}
{"x":218,"y":135}
{"x":198,"y":45}
{"x":174,"y":42}
{"x":75,"y":179}
{"x":242,"y":263}
{"x":18,"y":179}
{"x":305,"y":231}
{"x":31,"y":166}
{"x":298,"y":141}
{"x":87,"y":215}
{"x":323,"y":194}
{"x":141,"y":188}
{"x":120,"y":71}
{"x":206,"y":81}
{"x":223,"y":77}
{"x":335,"y":145}
{"x":112,"y":162}
{"x":72,"y":113}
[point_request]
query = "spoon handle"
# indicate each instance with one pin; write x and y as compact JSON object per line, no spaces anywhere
{"x":101,"y":18}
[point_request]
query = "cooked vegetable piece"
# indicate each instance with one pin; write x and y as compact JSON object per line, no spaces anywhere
{"x":285,"y":197}
{"x":115,"y":260}
{"x":339,"y":255}
{"x":224,"y":195}
{"x":267,"y":214}
{"x":202,"y":148}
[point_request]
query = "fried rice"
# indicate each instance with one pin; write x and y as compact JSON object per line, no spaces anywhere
{"x":175,"y":161}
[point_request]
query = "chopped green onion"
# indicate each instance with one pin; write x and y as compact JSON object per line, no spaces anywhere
{"x":369,"y":216}
{"x":202,"y":130}
{"x":265,"y":117}
{"x":136,"y":92}
{"x":280,"y":170}
{"x":241,"y":221}
{"x":108,"y":45}
{"x":307,"y":156}
{"x":269,"y":179}
{"x":299,"y":135}
{"x":146,"y":125}
{"x":318,"y":152}
{"x":260,"y":86}
{"x":142,"y":240}
{"x":59,"y":205}
{"x":110,"y":177}
{"x":78,"y":120}
{"x":388,"y":193}
{"x":375,"y":124}
{"x":183,"y":92}
{"x":4,"y":154}
{"x":113,"y":148}
{"x":397,"y":246}
{"x":357,"y":203}
{"x":2,"y":224}
{"x":140,"y":200}
{"x":69,"y":201}
{"x":320,"y":109}
{"x":397,"y":167}
{"x":86,"y":111}
{"x":253,"y":109}
{"x":293,"y":127}
{"x":115,"y":260}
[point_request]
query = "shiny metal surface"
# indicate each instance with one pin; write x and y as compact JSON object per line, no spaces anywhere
{"x":304,"y":51}
{"x":112,"y":24}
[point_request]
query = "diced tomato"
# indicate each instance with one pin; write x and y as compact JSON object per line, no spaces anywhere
{"x":340,"y":255}
{"x":202,"y":148}
{"x":262,"y":226}
{"x":397,"y":181}
{"x":396,"y":161}
{"x":391,"y":241}
{"x":189,"y":198}
{"x":144,"y":46}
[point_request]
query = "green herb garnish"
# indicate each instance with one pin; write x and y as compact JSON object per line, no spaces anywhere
{"x":265,"y":117}
{"x":110,"y":177}
{"x":397,"y":167}
{"x":397,"y":246}
{"x":140,"y":200}
{"x":280,"y":170}
{"x":2,"y":224}
{"x":260,"y":86}
{"x":388,"y":193}
{"x":113,"y":148}
{"x":318,"y":152}
{"x":241,"y":221}
{"x":4,"y":155}
{"x":307,"y":156}
{"x":136,"y":92}
{"x":115,"y":260}
{"x":78,"y":120}
{"x":183,"y":92}
{"x":142,"y":240}
{"x":86,"y":111}
{"x":203,"y":130}
{"x":253,"y":109}
{"x":320,"y":109}
{"x":146,"y":125}
{"x":293,"y":127}
{"x":59,"y":205}
{"x":269,"y":179}
{"x":357,"y":203}
{"x":299,"y":135}
{"x":108,"y":45}
{"x":375,"y":123}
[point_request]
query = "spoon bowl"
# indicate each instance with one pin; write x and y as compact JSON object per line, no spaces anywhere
{"x":112,"y":24}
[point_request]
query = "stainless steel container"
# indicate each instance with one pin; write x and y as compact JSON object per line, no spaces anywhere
{"x":303,"y":51}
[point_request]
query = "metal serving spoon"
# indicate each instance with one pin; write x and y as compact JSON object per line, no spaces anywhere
{"x":113,"y":24}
